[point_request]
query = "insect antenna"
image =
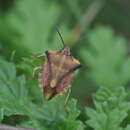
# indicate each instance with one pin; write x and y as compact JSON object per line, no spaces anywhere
{"x":60,"y":37}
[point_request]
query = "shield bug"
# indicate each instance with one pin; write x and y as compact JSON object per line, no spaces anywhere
{"x":58,"y":71}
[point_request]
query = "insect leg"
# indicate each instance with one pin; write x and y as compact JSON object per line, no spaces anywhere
{"x":36,"y":69}
{"x":67,"y":97}
{"x":39,"y":55}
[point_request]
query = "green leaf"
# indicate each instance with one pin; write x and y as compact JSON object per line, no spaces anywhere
{"x":14,"y":100}
{"x":29,"y":24}
{"x":61,"y":117}
{"x":106,"y":57}
{"x":72,"y":110}
{"x":13,"y":92}
{"x":110,"y":111}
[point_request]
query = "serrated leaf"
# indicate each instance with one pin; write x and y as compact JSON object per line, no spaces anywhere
{"x":91,"y":113}
{"x":111,"y":111}
{"x":46,"y":115}
{"x":13,"y":92}
{"x":106,"y":57}
{"x":72,"y":110}
{"x":29,"y":24}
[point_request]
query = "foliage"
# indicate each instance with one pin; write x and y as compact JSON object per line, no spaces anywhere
{"x":14,"y":100}
{"x":27,"y":27}
{"x":111,"y":109}
{"x":107,"y":58}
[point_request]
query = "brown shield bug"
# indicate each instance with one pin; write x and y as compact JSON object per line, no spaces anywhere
{"x":57,"y":72}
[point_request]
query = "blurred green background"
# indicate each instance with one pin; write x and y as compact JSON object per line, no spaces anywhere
{"x":27,"y":27}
